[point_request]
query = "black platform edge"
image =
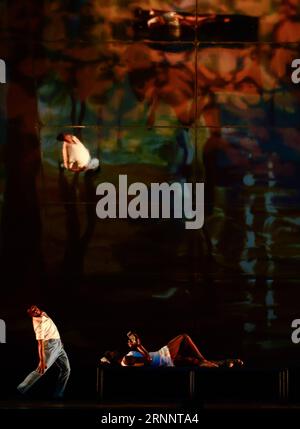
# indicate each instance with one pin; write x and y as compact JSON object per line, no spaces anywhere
{"x":190,"y":384}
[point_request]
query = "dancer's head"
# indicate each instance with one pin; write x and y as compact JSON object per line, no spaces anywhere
{"x":34,"y":311}
{"x":62,"y":137}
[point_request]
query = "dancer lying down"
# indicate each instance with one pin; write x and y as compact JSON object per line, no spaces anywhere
{"x":180,"y":351}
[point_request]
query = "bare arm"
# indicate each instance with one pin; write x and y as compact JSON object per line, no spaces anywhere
{"x":65,"y":156}
{"x":41,"y":350}
{"x":140,"y":348}
{"x":135,"y":343}
{"x":143,"y":360}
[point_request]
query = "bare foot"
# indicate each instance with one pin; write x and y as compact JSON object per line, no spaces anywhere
{"x":230,"y":363}
{"x":208,"y":364}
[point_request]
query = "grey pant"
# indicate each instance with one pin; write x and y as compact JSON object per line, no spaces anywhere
{"x":54,"y":353}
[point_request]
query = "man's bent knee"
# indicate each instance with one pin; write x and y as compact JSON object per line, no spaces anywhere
{"x":185,"y":336}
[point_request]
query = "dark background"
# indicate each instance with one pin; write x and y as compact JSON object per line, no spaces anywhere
{"x":213,"y":102}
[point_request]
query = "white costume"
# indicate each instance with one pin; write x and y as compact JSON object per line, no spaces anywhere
{"x":45,"y":328}
{"x":77,"y":157}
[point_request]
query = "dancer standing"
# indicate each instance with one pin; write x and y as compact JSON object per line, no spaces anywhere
{"x":50,"y":350}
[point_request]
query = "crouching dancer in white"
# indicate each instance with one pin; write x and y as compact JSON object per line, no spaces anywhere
{"x":50,"y":349}
{"x":75,"y":155}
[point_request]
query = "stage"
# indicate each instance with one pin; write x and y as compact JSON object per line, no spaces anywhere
{"x":91,"y":413}
{"x":114,"y":118}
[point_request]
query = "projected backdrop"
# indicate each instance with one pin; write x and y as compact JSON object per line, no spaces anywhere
{"x":174,"y":91}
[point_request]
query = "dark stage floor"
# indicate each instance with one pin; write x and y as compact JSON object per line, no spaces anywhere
{"x":92,"y":413}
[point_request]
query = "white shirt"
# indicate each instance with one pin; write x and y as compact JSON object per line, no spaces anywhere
{"x":45,"y":328}
{"x":75,"y":154}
